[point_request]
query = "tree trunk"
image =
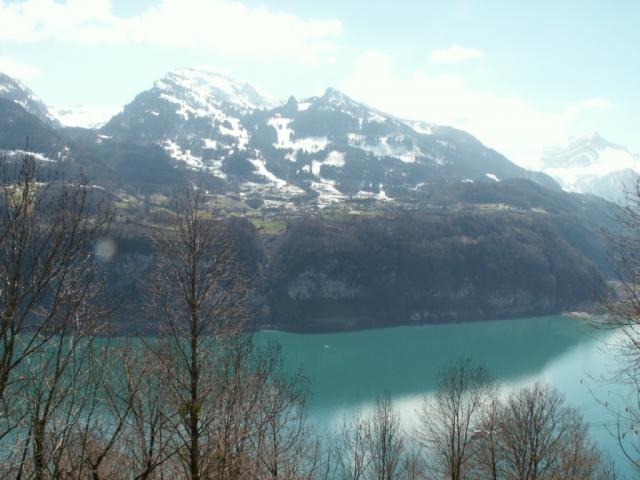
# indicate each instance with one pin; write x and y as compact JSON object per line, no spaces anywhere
{"x":39,"y":461}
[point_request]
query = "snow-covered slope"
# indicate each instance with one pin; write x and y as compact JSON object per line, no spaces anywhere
{"x":326,"y":148}
{"x":201,"y":91}
{"x":591,"y":164}
{"x":14,"y":90}
{"x":194,"y":115}
{"x":335,"y":148}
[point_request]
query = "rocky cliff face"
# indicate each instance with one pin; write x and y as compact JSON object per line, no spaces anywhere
{"x":333,"y":274}
{"x":421,"y":268}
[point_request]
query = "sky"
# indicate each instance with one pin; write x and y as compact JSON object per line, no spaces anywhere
{"x":520,"y":76}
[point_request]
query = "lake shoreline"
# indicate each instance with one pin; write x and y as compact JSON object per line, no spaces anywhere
{"x":583,"y":315}
{"x":151,"y":329}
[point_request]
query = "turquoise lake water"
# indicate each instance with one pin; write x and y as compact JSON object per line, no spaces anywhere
{"x":348,"y":370}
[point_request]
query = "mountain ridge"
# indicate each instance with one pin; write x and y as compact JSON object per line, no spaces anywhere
{"x":328,"y":147}
{"x":322,"y":149}
{"x":14,"y":90}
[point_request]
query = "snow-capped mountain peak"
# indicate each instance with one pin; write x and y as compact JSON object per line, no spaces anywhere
{"x":202,"y":89}
{"x":578,"y":151}
{"x":591,"y":164}
{"x":14,"y":90}
{"x":337,"y":98}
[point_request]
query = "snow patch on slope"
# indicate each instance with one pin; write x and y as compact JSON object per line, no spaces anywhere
{"x":281,"y":185}
{"x":237,"y":131}
{"x":420,"y":127}
{"x":387,"y":146}
{"x":327,"y":192}
{"x":284,"y":141}
{"x":175,"y":151}
{"x":21,"y":153}
{"x":334,"y":159}
{"x":209,"y":143}
{"x":203,"y":89}
{"x":380,"y":196}
{"x":214,"y":167}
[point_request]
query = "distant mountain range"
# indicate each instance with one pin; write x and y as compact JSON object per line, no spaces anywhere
{"x":591,"y":164}
{"x":238,"y":140}
{"x":317,"y":150}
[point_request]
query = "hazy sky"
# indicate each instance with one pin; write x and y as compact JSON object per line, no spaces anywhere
{"x":518,"y":75}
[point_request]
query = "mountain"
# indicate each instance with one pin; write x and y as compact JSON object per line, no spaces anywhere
{"x":25,"y":122}
{"x":592,"y":164}
{"x":349,"y":216}
{"x":188,"y":102}
{"x":322,"y":149}
{"x":15,"y":91}
{"x":20,"y":129}
{"x":239,"y":141}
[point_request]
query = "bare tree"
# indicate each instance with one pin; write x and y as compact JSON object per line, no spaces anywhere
{"x":607,"y":471}
{"x":448,"y":421}
{"x":59,"y":384}
{"x":542,"y":438}
{"x":199,"y":292}
{"x":282,"y":443}
{"x":49,"y":294}
{"x":386,"y":441}
{"x":47,"y":232}
{"x":351,"y":448}
{"x":623,"y":308}
{"x":108,"y":406}
{"x":146,"y":438}
{"x":414,"y":466}
{"x":578,"y":456}
{"x":486,"y":446}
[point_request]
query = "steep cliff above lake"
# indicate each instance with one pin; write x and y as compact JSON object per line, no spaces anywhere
{"x":422,"y":268}
{"x":351,"y":272}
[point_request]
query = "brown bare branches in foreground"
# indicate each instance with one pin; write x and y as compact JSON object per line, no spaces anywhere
{"x":623,"y":315}
{"x":467,"y":431}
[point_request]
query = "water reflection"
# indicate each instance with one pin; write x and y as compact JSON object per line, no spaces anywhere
{"x":348,"y":370}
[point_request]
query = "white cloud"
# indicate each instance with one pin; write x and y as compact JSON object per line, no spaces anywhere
{"x":511,"y":125}
{"x":18,"y":69}
{"x":454,"y":54}
{"x":223,"y":26}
